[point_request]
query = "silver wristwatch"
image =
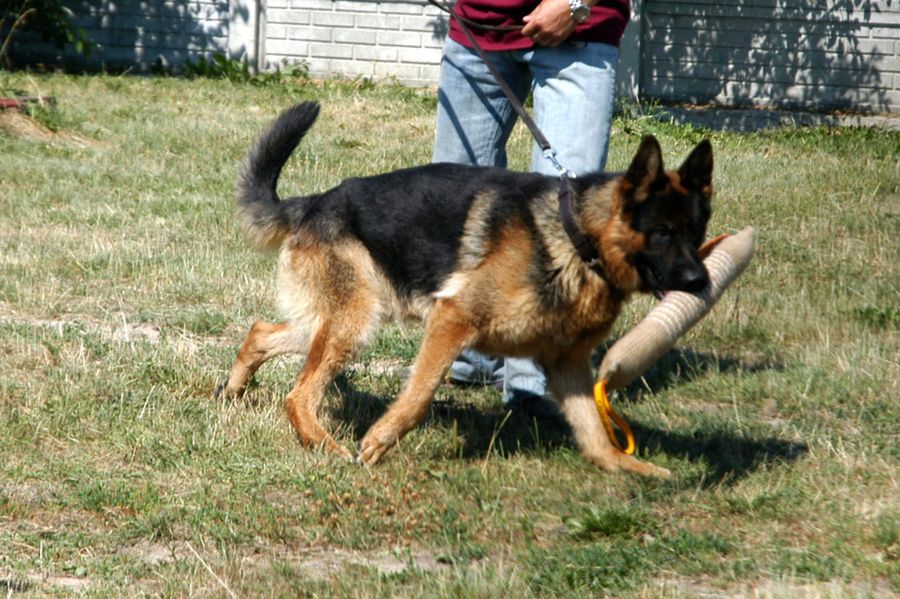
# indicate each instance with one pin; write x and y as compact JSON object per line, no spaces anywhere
{"x":580,"y":11}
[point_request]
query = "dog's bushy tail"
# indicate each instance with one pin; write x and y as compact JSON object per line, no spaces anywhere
{"x":263,"y":217}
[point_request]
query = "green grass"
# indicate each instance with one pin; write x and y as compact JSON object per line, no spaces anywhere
{"x":126,"y":289}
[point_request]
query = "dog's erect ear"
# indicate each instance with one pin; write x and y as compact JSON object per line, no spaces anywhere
{"x":645,"y":169}
{"x":696,"y":171}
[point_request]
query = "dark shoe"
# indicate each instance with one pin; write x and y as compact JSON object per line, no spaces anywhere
{"x":535,"y":406}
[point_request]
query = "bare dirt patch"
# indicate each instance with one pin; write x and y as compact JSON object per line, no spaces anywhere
{"x":18,"y":124}
{"x":319,"y":563}
{"x":154,"y":554}
{"x":326,"y":563}
{"x":677,"y":588}
{"x":120,"y":332}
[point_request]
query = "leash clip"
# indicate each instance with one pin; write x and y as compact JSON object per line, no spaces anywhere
{"x":550,"y":154}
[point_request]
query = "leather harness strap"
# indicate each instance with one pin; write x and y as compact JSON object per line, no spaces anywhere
{"x":587,"y":251}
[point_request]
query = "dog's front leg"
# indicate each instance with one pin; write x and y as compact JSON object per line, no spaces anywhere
{"x":448,"y":331}
{"x":572,"y":385}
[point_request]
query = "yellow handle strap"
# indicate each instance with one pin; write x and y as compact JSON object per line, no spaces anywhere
{"x":608,"y":415}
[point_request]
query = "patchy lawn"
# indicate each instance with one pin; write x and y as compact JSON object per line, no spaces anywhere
{"x":126,"y":290}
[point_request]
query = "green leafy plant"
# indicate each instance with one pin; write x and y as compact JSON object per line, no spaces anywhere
{"x":237,"y":70}
{"x":220,"y":67}
{"x":48,"y":18}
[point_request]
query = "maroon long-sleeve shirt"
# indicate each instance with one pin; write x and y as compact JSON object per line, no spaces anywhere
{"x":606,"y":23}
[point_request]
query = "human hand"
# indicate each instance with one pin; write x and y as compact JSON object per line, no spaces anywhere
{"x":550,"y":23}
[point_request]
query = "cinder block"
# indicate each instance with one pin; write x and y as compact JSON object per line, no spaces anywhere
{"x":319,"y":67}
{"x":867,"y":46}
{"x":356,"y":6}
{"x":332,"y":19}
{"x":310,"y":34}
{"x":375,"y":21}
{"x":886,"y":33}
{"x":354,"y":36}
{"x":887,"y":64}
{"x":330,"y":51}
{"x":417,"y":23}
{"x":325,"y":5}
{"x":430,"y":74}
{"x":395,"y":38}
{"x":376,"y":53}
{"x":891,"y":101}
{"x":275,"y":31}
{"x":287,"y":48}
{"x":291,"y":17}
{"x":419,"y":56}
{"x":402,"y":8}
{"x":433,"y":41}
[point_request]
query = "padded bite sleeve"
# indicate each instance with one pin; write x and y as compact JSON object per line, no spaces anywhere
{"x":678,"y":311}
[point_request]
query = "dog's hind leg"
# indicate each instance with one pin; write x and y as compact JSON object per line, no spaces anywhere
{"x":351,"y":322}
{"x":340,"y":285}
{"x":264,"y":341}
{"x":331,"y":348}
{"x":446,"y":334}
{"x":572,"y":385}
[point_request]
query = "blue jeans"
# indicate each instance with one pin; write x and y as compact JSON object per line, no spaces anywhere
{"x":572,"y":89}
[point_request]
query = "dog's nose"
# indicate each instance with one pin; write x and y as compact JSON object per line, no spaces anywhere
{"x":694,"y":279}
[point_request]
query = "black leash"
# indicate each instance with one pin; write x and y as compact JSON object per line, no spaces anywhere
{"x":585,"y":248}
{"x":539,"y":137}
{"x":517,"y":106}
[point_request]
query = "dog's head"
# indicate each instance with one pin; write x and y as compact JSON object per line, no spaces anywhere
{"x":670,"y":211}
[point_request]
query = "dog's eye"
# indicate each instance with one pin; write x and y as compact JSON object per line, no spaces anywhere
{"x":662,"y":233}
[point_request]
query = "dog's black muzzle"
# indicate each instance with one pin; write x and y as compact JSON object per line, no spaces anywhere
{"x":691,"y":280}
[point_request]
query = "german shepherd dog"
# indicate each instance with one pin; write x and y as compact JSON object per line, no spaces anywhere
{"x":481,"y":255}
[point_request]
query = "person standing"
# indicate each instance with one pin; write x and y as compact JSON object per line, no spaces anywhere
{"x":564,"y":53}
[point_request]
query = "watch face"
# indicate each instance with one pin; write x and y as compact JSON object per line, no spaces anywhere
{"x":580,"y":12}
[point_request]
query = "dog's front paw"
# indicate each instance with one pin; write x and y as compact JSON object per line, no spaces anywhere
{"x":616,"y":460}
{"x":373,"y":446}
{"x":222,"y":392}
{"x":341,"y":451}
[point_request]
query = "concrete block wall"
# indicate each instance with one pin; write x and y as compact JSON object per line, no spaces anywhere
{"x":136,"y":34}
{"x":819,"y":54}
{"x":389,"y":39}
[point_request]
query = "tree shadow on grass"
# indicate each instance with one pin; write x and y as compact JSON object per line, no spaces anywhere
{"x":728,"y":455}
